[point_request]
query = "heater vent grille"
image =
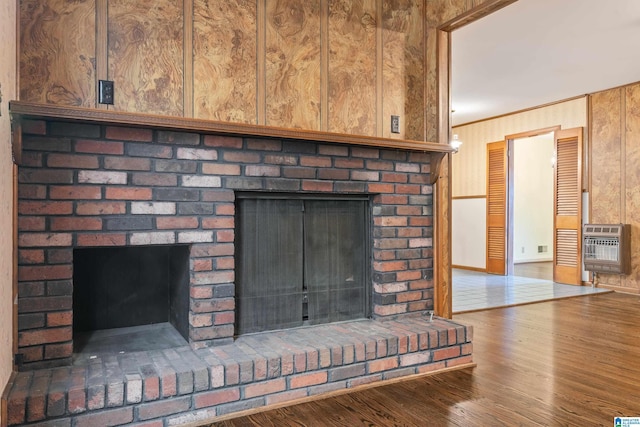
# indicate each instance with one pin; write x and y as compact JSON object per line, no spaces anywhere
{"x":606,"y":248}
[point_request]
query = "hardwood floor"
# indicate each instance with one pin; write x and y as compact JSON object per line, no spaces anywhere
{"x":573,"y":362}
{"x":536,"y":270}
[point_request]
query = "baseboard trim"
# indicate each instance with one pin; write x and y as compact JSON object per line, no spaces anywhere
{"x":464,"y":267}
{"x":532,"y":261}
{"x":620,"y":289}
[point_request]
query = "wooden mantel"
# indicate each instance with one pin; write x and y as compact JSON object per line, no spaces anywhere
{"x":23,"y":110}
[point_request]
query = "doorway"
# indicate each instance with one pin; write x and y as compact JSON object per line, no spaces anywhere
{"x":519,"y":224}
{"x":533,"y":205}
{"x":567,"y":205}
{"x":520,"y":207}
{"x":530,"y":205}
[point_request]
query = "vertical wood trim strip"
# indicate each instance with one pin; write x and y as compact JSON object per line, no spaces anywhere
{"x":623,"y":153}
{"x":324,"y":65}
{"x":18,"y":44}
{"x":425,"y":72}
{"x":588,"y":182}
{"x":261,"y":65}
{"x":102,"y":46}
{"x":187,"y":108}
{"x":15,"y":264}
{"x":442,"y":301}
{"x":444,"y":85}
{"x":623,"y":165}
{"x":586,"y":148}
{"x":509,"y":207}
{"x":379,"y":72}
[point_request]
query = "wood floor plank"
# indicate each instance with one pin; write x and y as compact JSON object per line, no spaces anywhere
{"x":572,"y":362}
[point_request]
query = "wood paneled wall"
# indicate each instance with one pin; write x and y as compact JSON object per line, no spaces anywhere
{"x":294,"y":63}
{"x":330,"y":65}
{"x":57,"y":52}
{"x":224,"y":61}
{"x":145,"y":56}
{"x":615,"y":161}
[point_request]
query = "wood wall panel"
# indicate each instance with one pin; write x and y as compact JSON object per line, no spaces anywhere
{"x":632,"y":180}
{"x":414,"y":60}
{"x":614,"y":196}
{"x":342,"y":66}
{"x":394,"y":26}
{"x":606,"y":173}
{"x":293,"y":64}
{"x":352,"y":66}
{"x":224,"y":51}
{"x":396,"y":20}
{"x":146,"y":55}
{"x":605,"y":157}
{"x":57,"y":48}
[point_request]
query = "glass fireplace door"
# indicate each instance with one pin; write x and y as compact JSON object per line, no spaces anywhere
{"x":300,"y":262}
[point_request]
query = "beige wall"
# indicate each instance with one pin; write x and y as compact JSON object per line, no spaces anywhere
{"x":533,"y":198}
{"x":469,"y":171}
{"x":469,"y":164}
{"x":8,"y":82}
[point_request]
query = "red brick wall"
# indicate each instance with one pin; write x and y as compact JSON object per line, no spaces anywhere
{"x":83,"y":185}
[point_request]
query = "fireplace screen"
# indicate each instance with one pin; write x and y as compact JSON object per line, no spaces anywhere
{"x":300,"y":261}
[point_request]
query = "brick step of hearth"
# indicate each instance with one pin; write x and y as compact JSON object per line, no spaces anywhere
{"x":182,"y":385}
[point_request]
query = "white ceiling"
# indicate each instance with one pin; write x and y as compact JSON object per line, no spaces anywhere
{"x":534,"y":52}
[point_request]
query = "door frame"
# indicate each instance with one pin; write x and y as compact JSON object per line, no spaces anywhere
{"x":442,"y":301}
{"x":510,"y":189}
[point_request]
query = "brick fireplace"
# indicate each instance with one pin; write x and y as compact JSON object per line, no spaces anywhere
{"x":126,"y":220}
{"x":85,"y":185}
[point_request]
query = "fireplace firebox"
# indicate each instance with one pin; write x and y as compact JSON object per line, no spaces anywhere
{"x":131,"y":286}
{"x":302,"y":260}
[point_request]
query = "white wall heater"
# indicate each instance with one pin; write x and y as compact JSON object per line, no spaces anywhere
{"x":607,"y":248}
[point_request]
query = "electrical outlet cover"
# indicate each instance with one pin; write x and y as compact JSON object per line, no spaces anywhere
{"x":395,"y":124}
{"x":105,"y":92}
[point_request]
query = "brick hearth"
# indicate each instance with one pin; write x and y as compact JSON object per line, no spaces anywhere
{"x":182,"y":385}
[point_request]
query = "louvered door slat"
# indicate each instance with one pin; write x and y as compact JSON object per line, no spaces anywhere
{"x":567,"y":241}
{"x":496,"y":207}
{"x":568,"y":207}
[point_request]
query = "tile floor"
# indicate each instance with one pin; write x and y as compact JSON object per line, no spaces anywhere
{"x":476,"y":291}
